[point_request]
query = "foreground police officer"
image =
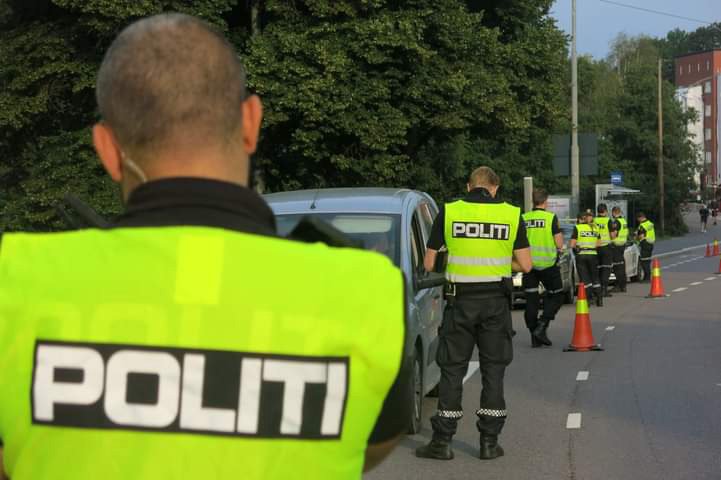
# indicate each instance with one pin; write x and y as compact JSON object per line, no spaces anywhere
{"x":646,"y":237}
{"x":486,"y":241}
{"x":584,"y":242}
{"x":208,"y":348}
{"x":546,"y":240}
{"x":602,"y":224}
{"x":619,"y":225}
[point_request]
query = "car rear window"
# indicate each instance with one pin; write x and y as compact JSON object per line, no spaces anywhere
{"x":377,"y":232}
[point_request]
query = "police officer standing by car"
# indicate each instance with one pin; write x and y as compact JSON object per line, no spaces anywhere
{"x":646,"y":237}
{"x":486,"y":242}
{"x":584,"y":242}
{"x":188,"y":340}
{"x":604,"y":253}
{"x":546,"y":240}
{"x":619,"y":225}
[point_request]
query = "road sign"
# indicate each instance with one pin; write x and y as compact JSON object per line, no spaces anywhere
{"x":616,"y":178}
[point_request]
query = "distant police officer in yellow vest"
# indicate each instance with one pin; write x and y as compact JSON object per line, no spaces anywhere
{"x":189,"y":341}
{"x":546,"y":240}
{"x":604,"y":253}
{"x":619,"y":229}
{"x":584,"y":242}
{"x":646,"y":237}
{"x":486,"y":242}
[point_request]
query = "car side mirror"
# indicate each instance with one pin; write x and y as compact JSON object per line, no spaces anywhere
{"x":430,"y":281}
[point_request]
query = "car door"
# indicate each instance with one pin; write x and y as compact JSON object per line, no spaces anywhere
{"x":429,"y":299}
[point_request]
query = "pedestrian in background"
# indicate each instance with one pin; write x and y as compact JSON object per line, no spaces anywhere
{"x":703,"y":213}
{"x":546,"y":240}
{"x":619,"y":225}
{"x":585,"y":242}
{"x":646,"y":236}
{"x":486,"y":242}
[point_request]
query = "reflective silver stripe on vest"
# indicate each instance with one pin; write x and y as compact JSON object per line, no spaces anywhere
{"x":483,"y":262}
{"x":544,"y":249}
{"x":456,"y":278}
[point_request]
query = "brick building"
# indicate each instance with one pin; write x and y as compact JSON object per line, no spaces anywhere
{"x":703,"y":70}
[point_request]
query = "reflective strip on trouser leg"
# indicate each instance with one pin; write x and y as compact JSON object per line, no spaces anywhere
{"x":491,"y":412}
{"x":450,"y":413}
{"x":531,"y":290}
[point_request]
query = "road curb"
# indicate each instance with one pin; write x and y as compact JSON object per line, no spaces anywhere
{"x":676,"y":252}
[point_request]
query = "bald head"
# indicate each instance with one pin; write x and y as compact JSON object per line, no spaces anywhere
{"x":170,"y":80}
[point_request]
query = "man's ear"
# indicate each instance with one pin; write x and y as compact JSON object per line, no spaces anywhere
{"x":252,"y":111}
{"x":108,"y":151}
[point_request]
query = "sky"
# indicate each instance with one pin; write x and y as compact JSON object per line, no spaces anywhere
{"x":598,"y":22}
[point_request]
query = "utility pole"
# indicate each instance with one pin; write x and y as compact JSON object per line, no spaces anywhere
{"x":575,"y":166}
{"x":661,"y":192}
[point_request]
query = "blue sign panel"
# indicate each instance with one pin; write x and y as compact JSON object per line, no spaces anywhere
{"x":616,"y":178}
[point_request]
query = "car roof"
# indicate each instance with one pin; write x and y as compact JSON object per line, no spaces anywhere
{"x":347,"y":200}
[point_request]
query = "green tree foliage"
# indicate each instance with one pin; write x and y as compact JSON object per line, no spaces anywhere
{"x":376,"y":92}
{"x":618,"y":99}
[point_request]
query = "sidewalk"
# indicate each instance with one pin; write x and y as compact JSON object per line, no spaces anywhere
{"x":694,"y":237}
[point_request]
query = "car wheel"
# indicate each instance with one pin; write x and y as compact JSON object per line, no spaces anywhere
{"x":640,"y":274}
{"x":415,"y":420}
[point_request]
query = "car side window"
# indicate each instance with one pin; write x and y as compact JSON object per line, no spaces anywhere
{"x":425,"y":219}
{"x":418,"y":247}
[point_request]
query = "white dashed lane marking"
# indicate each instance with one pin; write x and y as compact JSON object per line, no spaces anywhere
{"x":680,"y":289}
{"x":695,"y":283}
{"x":573,"y":420}
{"x":582,"y":376}
{"x":610,"y":328}
{"x":710,"y":279}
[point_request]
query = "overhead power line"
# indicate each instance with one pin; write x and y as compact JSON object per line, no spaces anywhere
{"x":657,"y":12}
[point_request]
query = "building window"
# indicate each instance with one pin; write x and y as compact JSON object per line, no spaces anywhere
{"x":707,"y":134}
{"x":698,"y":67}
{"x":680,"y":71}
{"x":707,"y":110}
{"x":689,"y":68}
{"x":708,"y":157}
{"x":708,"y":65}
{"x":707,"y":87}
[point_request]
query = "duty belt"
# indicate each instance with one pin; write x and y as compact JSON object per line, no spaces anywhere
{"x":453,"y":289}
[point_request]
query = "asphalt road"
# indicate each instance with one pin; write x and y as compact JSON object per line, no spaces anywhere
{"x":649,"y":409}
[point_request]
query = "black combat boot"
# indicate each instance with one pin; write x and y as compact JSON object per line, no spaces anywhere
{"x":490,"y":448}
{"x":599,"y":297}
{"x":438,"y":448}
{"x":540,"y":332}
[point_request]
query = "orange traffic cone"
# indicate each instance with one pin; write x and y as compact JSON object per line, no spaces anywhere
{"x":656,"y":283}
{"x":719,"y":267}
{"x":715,"y":248}
{"x":708,"y":249}
{"x":582,"y":340}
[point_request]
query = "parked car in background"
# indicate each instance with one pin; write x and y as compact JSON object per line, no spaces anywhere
{"x":395,"y":223}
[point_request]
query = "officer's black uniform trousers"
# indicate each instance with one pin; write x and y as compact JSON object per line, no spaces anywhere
{"x":551,"y":279}
{"x":587,"y":267}
{"x":605,"y":264}
{"x":619,"y":265}
{"x":479,"y":316}
{"x":646,"y":254}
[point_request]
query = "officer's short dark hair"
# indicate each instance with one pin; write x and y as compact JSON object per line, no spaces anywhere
{"x":616,"y":210}
{"x":640,"y":215}
{"x":170,"y":77}
{"x":602,"y":208}
{"x":539,"y":196}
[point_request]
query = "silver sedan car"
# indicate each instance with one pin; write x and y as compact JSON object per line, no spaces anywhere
{"x":395,"y":223}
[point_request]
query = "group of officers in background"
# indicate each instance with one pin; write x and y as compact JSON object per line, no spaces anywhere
{"x":598,"y":243}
